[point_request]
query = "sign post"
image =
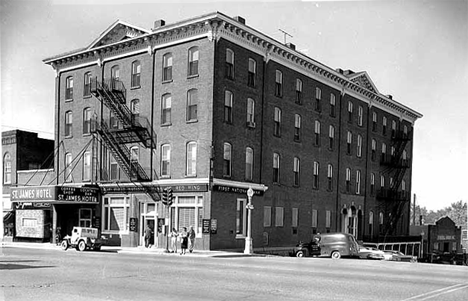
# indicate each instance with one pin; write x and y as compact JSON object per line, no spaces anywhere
{"x":248,"y":240}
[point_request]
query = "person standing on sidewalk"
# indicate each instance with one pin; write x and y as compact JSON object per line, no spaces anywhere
{"x":191,"y":239}
{"x":174,"y":234}
{"x":148,"y":236}
{"x":183,"y":240}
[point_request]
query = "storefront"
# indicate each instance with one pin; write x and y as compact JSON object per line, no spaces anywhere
{"x":41,"y":211}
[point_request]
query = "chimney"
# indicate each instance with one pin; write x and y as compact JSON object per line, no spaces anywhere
{"x":239,"y":19}
{"x":390,"y":96}
{"x":348,"y":72}
{"x":291,"y":45}
{"x":339,"y":70}
{"x":159,"y":23}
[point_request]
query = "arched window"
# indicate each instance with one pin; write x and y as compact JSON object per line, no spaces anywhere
{"x":348,"y":180}
{"x":277,"y":124}
{"x":298,"y":91}
{"x":193,"y":61}
{"x":296,"y":170}
{"x":7,"y":168}
{"x":166,"y":109}
{"x":330,"y":177}
{"x":276,"y":168}
{"x":297,"y":127}
{"x":115,"y":73}
{"x":229,"y":63}
{"x":317,"y":133}
{"x":228,"y":103}
{"x":250,"y":112}
{"x":279,"y":83}
{"x":192,"y":104}
{"x":68,"y":124}
{"x":69,"y":88}
{"x":167,"y":67}
{"x":87,"y":84}
{"x":136,"y":73}
{"x":252,"y":73}
{"x":315,"y":183}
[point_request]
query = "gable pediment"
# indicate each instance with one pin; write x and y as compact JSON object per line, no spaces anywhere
{"x":363,"y":79}
{"x":117,"y":32}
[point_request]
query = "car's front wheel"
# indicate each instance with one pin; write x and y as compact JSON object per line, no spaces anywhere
{"x":301,"y":253}
{"x":336,"y":255}
{"x":64,"y":245}
{"x":81,"y":246}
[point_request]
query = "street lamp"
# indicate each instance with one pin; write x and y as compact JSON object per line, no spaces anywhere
{"x":248,"y":240}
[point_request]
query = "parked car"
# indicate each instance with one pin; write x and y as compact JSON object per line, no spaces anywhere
{"x":399,"y":256}
{"x":332,"y":245}
{"x":370,"y":253}
{"x":83,"y":238}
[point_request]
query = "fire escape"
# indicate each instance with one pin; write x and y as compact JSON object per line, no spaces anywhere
{"x":392,"y":201}
{"x":134,"y":129}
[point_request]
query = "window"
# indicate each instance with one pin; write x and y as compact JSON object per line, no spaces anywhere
{"x":350,"y":112}
{"x":134,"y":159}
{"x":331,"y":136}
{"x":349,"y":141}
{"x":276,"y":168}
{"x":391,"y":183}
{"x":85,"y":217}
{"x":404,"y":158}
{"x":327,"y":219}
{"x":86,"y":166}
{"x":277,"y":120}
{"x":68,"y":124}
{"x":193,"y":61}
{"x":382,"y":181}
{"x":86,"y":121}
{"x":371,"y":223}
{"x":241,"y":218}
{"x":330,"y":177}
{"x":318,"y":98}
{"x":374,"y":121}
{"x":228,"y":100}
{"x":296,"y":168}
{"x":192,"y":159}
{"x":294,"y":217}
{"x":384,"y":151}
{"x":298,"y":91}
{"x":317,"y":133}
{"x":249,"y":164}
{"x":384,"y":125}
{"x":394,"y":126}
{"x":87,"y":84}
{"x":69,"y":88}
{"x":315,"y":183}
{"x":279,"y":83}
{"x":381,"y":222}
{"x":135,"y":109}
{"x":166,"y":104}
{"x":229,"y":63}
{"x":392,"y":152}
{"x":252,"y":73}
{"x":113,"y":121}
{"x":7,"y":168}
{"x":405,"y":131}
{"x":136,"y":71}
{"x":266,"y":216}
{"x":348,"y":180}
{"x":167,"y":67}
{"x":115,"y":214}
{"x":360,"y":115}
{"x":373,"y":151}
{"x":68,"y":167}
{"x":279,"y":217}
{"x":359,"y":146}
{"x":192,"y":103}
{"x":165,"y":160}
{"x":372,"y":184}
{"x":115,"y":73}
{"x":403,"y":185}
{"x":358,"y":182}
{"x":314,"y":218}
{"x":114,"y":170}
{"x":250,"y":112}
{"x":332,"y":105}
{"x":227,"y":160}
{"x":297,"y":127}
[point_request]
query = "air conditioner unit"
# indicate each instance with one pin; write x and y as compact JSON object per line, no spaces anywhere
{"x":250,"y":124}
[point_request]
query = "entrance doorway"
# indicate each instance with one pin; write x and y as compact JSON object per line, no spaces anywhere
{"x":148,"y":219}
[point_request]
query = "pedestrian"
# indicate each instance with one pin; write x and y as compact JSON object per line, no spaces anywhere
{"x":174,"y":235}
{"x":148,"y":236}
{"x":191,"y":239}
{"x":183,"y":240}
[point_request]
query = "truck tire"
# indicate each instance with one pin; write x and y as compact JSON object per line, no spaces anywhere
{"x":81,"y":246}
{"x":336,"y":255}
{"x":301,"y":253}
{"x":64,"y":245}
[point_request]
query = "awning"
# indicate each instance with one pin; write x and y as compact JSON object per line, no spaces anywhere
{"x":8,"y":217}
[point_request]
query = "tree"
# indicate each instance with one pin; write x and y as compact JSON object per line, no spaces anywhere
{"x":456,"y":212}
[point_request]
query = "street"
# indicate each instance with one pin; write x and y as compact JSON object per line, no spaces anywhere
{"x":38,"y":274}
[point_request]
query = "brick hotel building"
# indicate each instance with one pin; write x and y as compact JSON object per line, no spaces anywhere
{"x":211,"y":107}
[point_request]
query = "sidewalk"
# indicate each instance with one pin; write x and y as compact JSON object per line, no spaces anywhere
{"x":135,"y":250}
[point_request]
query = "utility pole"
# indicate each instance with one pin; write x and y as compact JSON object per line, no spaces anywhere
{"x":414,"y":209}
{"x":285,"y":34}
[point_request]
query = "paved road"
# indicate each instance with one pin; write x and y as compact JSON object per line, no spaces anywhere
{"x":37,"y":274}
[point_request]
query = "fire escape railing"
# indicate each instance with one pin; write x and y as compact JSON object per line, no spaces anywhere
{"x":393,"y":200}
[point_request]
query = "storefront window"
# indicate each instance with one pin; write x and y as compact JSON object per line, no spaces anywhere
{"x":115,"y":214}
{"x":85,"y":217}
{"x":187,"y":211}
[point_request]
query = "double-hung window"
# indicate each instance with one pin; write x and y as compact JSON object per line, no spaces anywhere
{"x":136,"y":72}
{"x":349,"y":141}
{"x":252,"y":73}
{"x":276,"y":168}
{"x":315,"y":183}
{"x":86,"y":166}
{"x":192,"y":104}
{"x":374,"y":121}
{"x":359,"y":146}
{"x":167,"y":67}
{"x":358,"y":182}
{"x":227,"y":157}
{"x":350,"y":111}
{"x":68,"y":167}
{"x":317,"y":133}
{"x":229,"y":63}
{"x":249,"y":161}
{"x":86,"y":121}
{"x":277,"y":122}
{"x":87,"y":84}
{"x":360,"y":115}
{"x":7,"y":169}
{"x":296,"y":171}
{"x":250,"y":112}
{"x":384,"y":125}
{"x":372,"y":184}
{"x":318,"y":99}
{"x":69,"y":88}
{"x":331,"y":136}
{"x":193,"y":61}
{"x":373,"y":149}
{"x":228,"y":103}
{"x":191,"y":159}
{"x":332,"y":105}
{"x":348,"y":180}
{"x":297,"y":127}
{"x":298,"y":91}
{"x":68,"y":124}
{"x":165,"y":160}
{"x":278,"y":83}
{"x":166,"y":104}
{"x":330,"y":177}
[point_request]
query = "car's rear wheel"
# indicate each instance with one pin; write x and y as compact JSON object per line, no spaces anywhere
{"x":301,"y":253}
{"x":336,"y":255}
{"x":81,"y":246}
{"x":64,"y":245}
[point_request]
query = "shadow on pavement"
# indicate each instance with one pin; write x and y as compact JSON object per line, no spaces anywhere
{"x":10,"y":266}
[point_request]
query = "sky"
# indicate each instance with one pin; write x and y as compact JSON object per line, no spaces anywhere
{"x":416,"y":51}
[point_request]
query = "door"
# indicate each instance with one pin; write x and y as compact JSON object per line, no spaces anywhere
{"x":147,"y":221}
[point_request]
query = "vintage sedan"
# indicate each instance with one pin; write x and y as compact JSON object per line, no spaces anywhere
{"x":370,"y":253}
{"x":399,"y":256}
